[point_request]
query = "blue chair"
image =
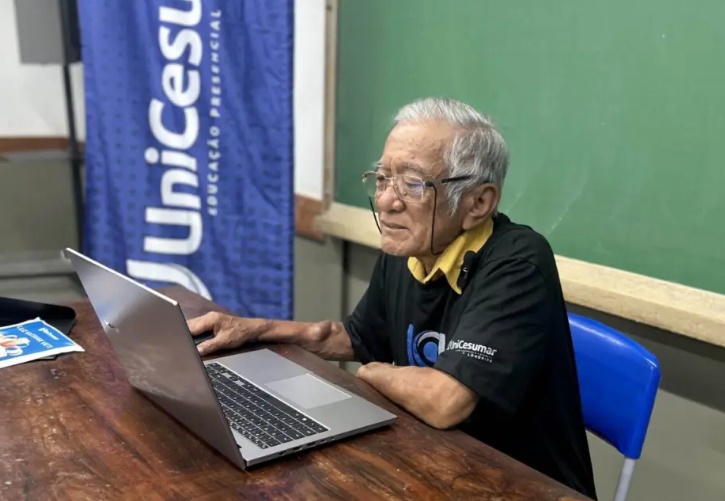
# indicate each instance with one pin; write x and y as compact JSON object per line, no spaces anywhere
{"x":618,"y":381}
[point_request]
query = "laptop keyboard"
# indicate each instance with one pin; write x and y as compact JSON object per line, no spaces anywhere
{"x":256,"y":414}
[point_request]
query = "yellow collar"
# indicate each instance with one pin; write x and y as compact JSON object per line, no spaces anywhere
{"x":450,"y":261}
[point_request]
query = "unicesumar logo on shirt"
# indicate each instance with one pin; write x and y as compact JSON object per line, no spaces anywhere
{"x":473,"y":350}
{"x":424,"y":348}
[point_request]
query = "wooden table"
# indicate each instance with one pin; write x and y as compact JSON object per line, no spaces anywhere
{"x":73,"y":428}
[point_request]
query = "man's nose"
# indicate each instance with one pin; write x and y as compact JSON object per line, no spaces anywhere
{"x":388,"y":200}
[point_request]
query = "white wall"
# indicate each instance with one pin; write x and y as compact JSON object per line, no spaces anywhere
{"x":309,"y":99}
{"x":31,"y":96}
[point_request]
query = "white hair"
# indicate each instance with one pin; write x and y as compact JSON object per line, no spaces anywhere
{"x":478,"y":149}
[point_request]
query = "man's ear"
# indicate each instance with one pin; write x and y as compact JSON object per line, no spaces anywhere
{"x":482,"y":202}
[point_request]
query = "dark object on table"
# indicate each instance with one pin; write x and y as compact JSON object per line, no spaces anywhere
{"x":203,"y":337}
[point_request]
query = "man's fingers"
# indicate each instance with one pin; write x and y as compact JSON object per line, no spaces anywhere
{"x":224,"y":340}
{"x":209,"y":346}
{"x":203,"y":323}
{"x":221,"y":341}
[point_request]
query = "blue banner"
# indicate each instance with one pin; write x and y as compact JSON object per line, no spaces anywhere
{"x":189,"y":146}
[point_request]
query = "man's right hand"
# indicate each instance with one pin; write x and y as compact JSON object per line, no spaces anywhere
{"x":229,"y":331}
{"x":327,"y":339}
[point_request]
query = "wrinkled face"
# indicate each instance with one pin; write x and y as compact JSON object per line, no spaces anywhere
{"x":415,"y":149}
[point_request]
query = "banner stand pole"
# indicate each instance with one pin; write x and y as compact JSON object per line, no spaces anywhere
{"x":76,"y":159}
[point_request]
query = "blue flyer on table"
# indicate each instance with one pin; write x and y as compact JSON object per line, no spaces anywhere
{"x":31,"y":340}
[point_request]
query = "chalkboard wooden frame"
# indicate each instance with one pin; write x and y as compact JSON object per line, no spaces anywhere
{"x":680,"y":309}
{"x":328,"y":180}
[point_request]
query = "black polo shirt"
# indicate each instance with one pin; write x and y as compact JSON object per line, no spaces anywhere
{"x":506,"y":337}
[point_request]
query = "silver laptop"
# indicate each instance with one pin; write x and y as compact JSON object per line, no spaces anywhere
{"x":251,"y":407}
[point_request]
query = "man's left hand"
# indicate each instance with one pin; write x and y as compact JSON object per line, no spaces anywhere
{"x":430,"y":394}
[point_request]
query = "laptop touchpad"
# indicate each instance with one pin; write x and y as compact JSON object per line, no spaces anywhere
{"x":306,"y":391}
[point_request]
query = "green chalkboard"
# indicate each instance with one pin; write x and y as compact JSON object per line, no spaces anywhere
{"x":614,"y":112}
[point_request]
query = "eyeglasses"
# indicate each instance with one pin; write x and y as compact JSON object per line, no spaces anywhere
{"x":407,"y":188}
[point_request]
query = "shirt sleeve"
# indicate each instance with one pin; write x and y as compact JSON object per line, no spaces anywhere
{"x":502,"y":336}
{"x":367,"y":325}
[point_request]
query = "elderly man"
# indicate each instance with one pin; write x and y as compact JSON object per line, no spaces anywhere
{"x":463,"y":323}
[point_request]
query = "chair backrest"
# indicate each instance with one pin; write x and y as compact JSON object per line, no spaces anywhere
{"x":618,"y":381}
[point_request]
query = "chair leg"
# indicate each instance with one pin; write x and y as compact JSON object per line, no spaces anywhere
{"x":625,"y":478}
